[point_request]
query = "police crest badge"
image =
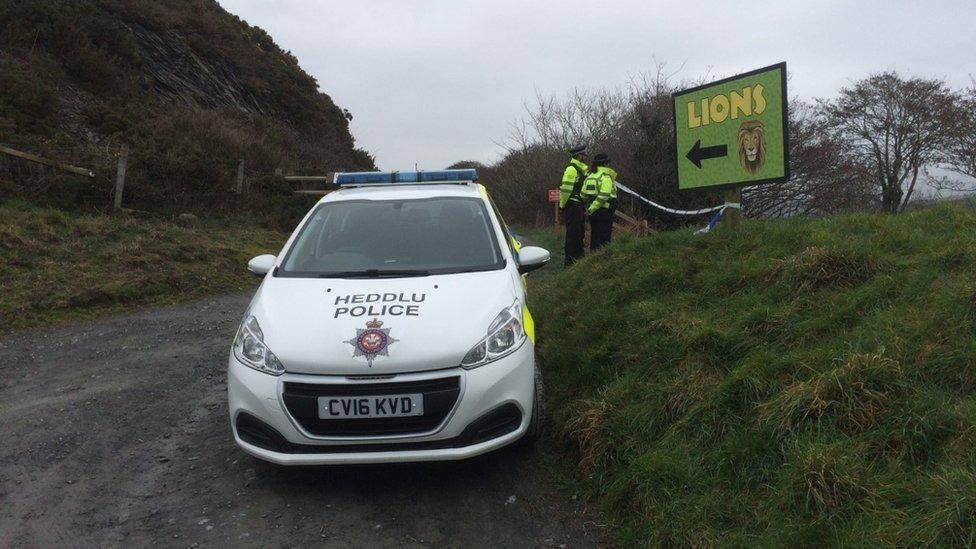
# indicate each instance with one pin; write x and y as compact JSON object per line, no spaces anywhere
{"x":372,"y":342}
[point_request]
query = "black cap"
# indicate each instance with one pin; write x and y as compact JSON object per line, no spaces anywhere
{"x":578,"y":149}
{"x":601,"y":159}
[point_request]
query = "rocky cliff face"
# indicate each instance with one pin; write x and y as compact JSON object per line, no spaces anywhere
{"x":174,"y":72}
{"x":192,"y":89}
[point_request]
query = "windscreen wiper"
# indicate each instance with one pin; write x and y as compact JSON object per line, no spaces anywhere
{"x":480,"y":269}
{"x":376,"y":273}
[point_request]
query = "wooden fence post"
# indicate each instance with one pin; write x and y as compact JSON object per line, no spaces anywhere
{"x":240,"y":177}
{"x":120,"y":178}
{"x":555,"y":218}
{"x":730,"y":217}
{"x":45,"y":161}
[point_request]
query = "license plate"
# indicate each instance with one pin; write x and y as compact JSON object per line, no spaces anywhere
{"x":371,"y":406}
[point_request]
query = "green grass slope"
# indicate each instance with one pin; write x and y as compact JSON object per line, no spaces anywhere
{"x":799,"y":382}
{"x":58,"y":266}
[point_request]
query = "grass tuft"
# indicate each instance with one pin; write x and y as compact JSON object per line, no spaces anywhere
{"x":583,"y":428}
{"x":819,"y":267}
{"x":855,"y":395}
{"x":825,"y":479}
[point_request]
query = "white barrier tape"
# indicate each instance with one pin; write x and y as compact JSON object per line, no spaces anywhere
{"x":718,"y":215}
{"x":631,"y":192}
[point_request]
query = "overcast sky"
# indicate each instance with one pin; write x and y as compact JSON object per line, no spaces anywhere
{"x":433,"y":82}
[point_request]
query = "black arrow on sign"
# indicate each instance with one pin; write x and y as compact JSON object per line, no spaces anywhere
{"x":699,"y":153}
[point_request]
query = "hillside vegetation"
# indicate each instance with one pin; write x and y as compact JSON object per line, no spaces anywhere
{"x":191,"y":88}
{"x":59,"y":266}
{"x":798,"y":382}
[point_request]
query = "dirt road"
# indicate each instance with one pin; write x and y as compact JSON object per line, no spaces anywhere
{"x":116,"y":433}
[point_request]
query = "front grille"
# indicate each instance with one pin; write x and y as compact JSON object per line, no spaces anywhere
{"x":498,"y":422}
{"x":301,"y":399}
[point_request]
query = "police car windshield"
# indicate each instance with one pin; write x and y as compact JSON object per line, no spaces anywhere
{"x":393,"y":238}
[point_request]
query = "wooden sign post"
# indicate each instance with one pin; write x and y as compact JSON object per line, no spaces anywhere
{"x":731,"y":216}
{"x":554,"y":198}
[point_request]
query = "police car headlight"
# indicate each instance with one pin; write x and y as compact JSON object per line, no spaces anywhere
{"x":249,"y":348}
{"x":505,"y":334}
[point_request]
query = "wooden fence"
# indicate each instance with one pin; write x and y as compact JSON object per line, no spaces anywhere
{"x":310,"y":184}
{"x":632,"y":225}
{"x":301,"y":184}
{"x":46,"y":161}
{"x":20,"y":168}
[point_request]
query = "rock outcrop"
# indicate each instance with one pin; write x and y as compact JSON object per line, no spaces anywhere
{"x":173,"y":71}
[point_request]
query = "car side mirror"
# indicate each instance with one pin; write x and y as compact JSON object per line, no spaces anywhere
{"x":260,"y":265}
{"x":531,"y":258}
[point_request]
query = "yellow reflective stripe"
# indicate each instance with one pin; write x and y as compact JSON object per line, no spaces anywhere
{"x":581,"y":167}
{"x":483,"y":191}
{"x":570,"y":174}
{"x":516,"y":245}
{"x":529,"y":324}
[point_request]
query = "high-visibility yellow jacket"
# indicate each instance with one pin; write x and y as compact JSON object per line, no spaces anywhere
{"x":599,"y":189}
{"x":574,"y":171}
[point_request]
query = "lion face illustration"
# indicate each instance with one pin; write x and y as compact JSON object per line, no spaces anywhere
{"x":752,"y":146}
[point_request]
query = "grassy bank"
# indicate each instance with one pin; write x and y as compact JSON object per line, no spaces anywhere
{"x":57,"y":266}
{"x":800,"y":382}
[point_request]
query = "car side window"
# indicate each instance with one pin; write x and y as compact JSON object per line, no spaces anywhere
{"x":509,"y":240}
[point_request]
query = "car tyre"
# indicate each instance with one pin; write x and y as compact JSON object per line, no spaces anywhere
{"x":537,"y":422}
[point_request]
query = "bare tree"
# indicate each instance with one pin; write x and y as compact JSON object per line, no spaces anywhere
{"x":896,"y":127}
{"x":961,"y":155}
{"x":824,"y":177}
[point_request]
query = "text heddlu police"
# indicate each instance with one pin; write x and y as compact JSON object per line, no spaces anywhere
{"x":391,"y":304}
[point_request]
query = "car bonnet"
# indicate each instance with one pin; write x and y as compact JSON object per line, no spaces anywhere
{"x":381,"y":325}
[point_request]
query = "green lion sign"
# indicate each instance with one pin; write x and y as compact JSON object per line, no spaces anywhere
{"x":734,"y":131}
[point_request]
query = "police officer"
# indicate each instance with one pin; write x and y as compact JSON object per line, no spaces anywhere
{"x":571,"y":203}
{"x":600,"y":196}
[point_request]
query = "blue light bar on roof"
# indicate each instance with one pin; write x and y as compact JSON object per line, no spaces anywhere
{"x":388,"y":178}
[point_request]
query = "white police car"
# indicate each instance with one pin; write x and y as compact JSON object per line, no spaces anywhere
{"x":392,"y":327}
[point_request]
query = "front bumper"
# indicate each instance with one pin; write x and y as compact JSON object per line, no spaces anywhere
{"x":493,"y":409}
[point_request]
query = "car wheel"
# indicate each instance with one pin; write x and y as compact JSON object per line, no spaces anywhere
{"x":538,"y":420}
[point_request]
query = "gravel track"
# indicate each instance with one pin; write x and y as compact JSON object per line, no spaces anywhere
{"x":115,"y":433}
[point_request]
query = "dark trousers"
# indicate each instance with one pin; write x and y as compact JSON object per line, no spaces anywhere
{"x":601,"y":228}
{"x":575,"y":222}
